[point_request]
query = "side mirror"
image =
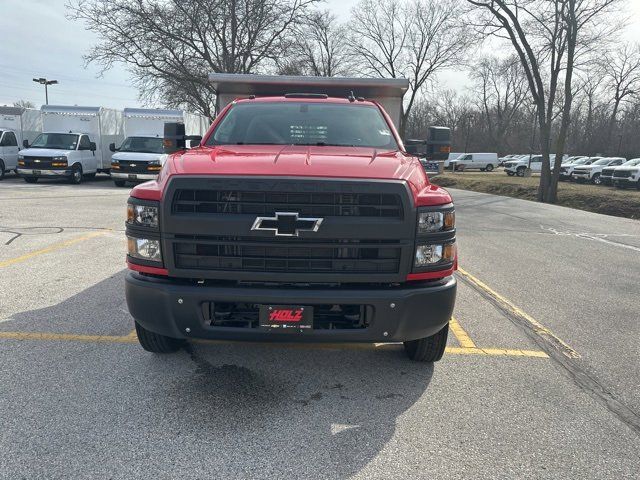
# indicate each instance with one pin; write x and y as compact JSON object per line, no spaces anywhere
{"x":92,"y":146}
{"x":112,"y":147}
{"x":25,"y":143}
{"x":174,"y":137}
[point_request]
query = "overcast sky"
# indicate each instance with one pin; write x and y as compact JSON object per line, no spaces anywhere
{"x":38,"y":41}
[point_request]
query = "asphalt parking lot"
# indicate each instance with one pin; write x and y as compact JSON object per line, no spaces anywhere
{"x":540,"y":380}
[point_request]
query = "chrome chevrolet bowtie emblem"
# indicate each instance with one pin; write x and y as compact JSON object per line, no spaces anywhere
{"x":287,"y":224}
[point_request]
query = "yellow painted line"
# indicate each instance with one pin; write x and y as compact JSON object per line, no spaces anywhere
{"x":461,"y":335}
{"x":496,"y":352}
{"x":50,"y":248}
{"x":133,"y":334}
{"x":538,"y":328}
{"x":132,"y":338}
{"x":66,"y":337}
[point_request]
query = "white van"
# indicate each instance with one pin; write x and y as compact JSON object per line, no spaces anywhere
{"x":141,"y":155}
{"x":74,"y":143}
{"x":480,"y":161}
{"x":452,"y":156}
{"x":16,"y":124}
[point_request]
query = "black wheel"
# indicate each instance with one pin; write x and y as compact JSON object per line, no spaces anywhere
{"x":31,"y":179}
{"x":120,"y":183}
{"x":520,"y":171}
{"x":428,"y":349}
{"x":489,"y":168}
{"x":153,"y":342}
{"x":596,"y":180}
{"x":511,"y":174}
{"x":76,"y":175}
{"x":1,"y":169}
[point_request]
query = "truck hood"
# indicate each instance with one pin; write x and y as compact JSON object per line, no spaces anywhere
{"x":44,"y":152}
{"x":294,"y":160}
{"x":298,"y":161}
{"x":136,"y":156}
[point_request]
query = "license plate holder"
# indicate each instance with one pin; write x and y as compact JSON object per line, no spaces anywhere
{"x":133,"y":176}
{"x":290,"y":318}
{"x":37,"y":172}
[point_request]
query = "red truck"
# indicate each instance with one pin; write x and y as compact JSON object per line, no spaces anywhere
{"x":299,"y":217}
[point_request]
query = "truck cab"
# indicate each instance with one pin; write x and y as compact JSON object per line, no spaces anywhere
{"x":73,"y":144}
{"x":300,"y":217}
{"x":58,"y":154}
{"x":8,"y":151}
{"x":140,"y":156}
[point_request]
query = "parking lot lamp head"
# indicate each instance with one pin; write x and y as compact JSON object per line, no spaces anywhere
{"x":46,"y":83}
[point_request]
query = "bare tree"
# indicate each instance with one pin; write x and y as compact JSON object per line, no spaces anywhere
{"x":548,"y":36}
{"x":24,"y":104}
{"x":622,"y":79}
{"x":413,"y":39}
{"x":170,"y":46}
{"x":321,"y":50}
{"x":502,"y":89}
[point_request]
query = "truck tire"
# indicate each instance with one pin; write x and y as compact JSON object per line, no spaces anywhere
{"x":76,"y":175}
{"x":153,"y":342}
{"x":520,"y":171}
{"x":460,"y":168}
{"x":30,"y":179}
{"x":120,"y":183}
{"x":596,"y":180}
{"x":489,"y":168}
{"x":1,"y":169}
{"x":429,"y":349}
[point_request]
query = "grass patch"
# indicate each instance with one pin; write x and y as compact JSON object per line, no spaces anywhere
{"x":592,"y":198}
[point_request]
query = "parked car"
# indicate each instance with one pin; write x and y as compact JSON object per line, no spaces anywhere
{"x":73,"y":143}
{"x":606,"y":177}
{"x":566,"y":169}
{"x":506,"y":158}
{"x":627,"y":174}
{"x":591,"y":173}
{"x":478,"y":161}
{"x":520,"y":165}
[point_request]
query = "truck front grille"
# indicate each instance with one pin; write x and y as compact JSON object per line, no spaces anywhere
{"x":268,"y":203}
{"x":38,"y":162}
{"x":127,"y":166}
{"x":622,"y":174}
{"x":287,"y":255}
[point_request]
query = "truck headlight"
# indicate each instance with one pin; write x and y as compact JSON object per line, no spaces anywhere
{"x":144,"y":249}
{"x":428,"y":255}
{"x":143,"y":215}
{"x":430,"y":222}
{"x":154,"y":166}
{"x":59,"y":162}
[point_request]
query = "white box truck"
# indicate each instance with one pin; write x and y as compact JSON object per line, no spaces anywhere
{"x":16,"y":124}
{"x":74,"y":143}
{"x":140,"y":156}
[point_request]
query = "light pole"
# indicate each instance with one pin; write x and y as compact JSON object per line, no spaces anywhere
{"x":46,"y":83}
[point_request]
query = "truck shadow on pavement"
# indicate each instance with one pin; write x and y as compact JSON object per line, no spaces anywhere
{"x":239,"y":409}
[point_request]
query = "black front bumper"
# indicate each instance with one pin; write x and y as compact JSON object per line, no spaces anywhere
{"x":401,"y":313}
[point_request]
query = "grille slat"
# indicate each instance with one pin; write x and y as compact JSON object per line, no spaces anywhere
{"x":368,"y":257}
{"x":622,"y":174}
{"x":268,"y":203}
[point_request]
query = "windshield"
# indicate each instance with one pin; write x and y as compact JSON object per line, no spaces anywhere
{"x":581,"y":161}
{"x":58,"y":141}
{"x":602,"y":161}
{"x":142,"y":145}
{"x":303,"y":123}
{"x":632,"y":163}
